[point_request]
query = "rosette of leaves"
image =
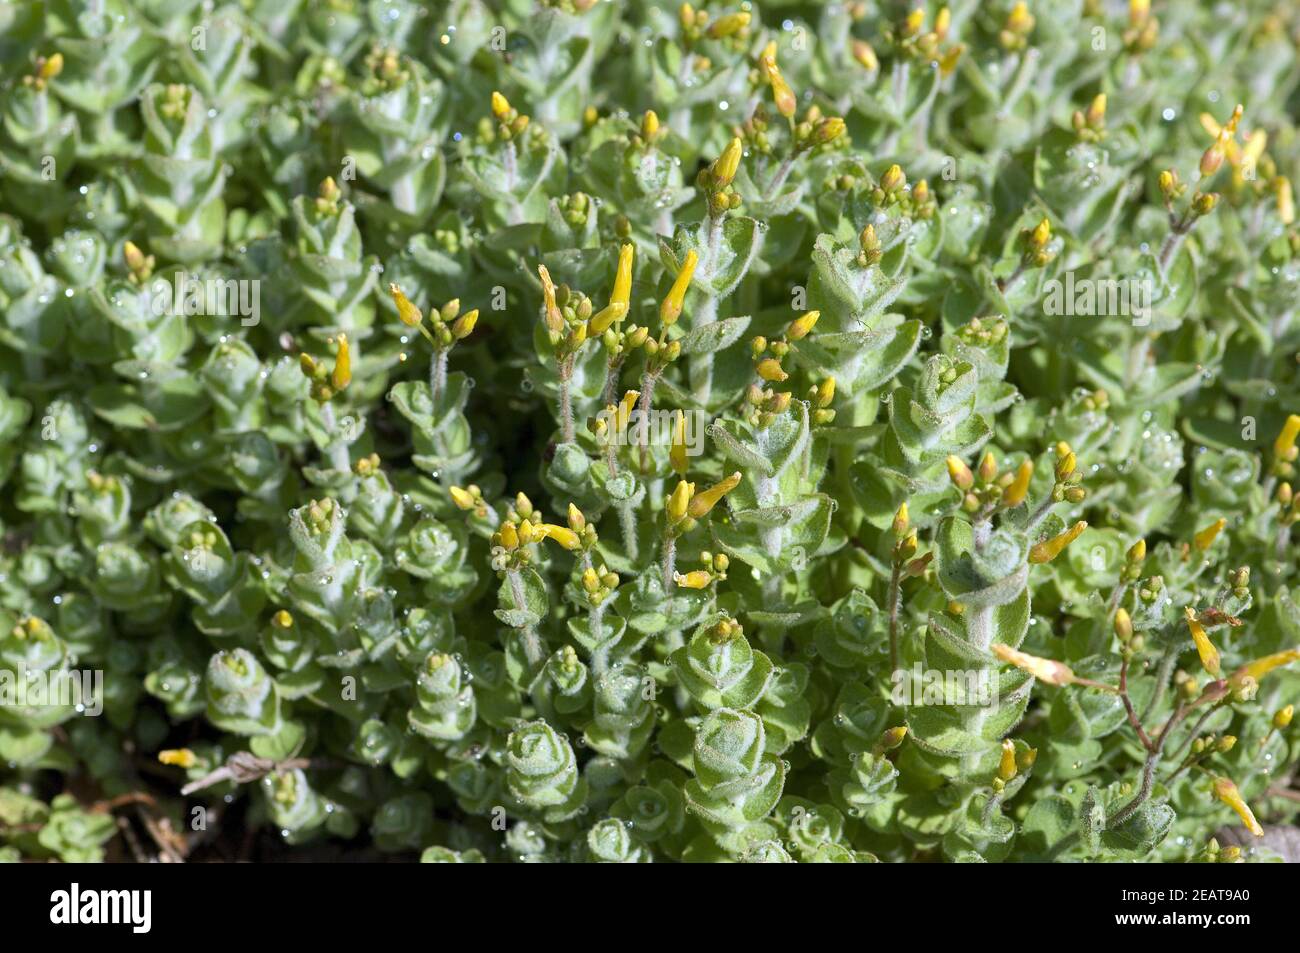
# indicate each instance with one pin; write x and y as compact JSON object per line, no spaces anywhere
{"x":180,"y":175}
{"x":623,"y":712}
{"x":391,"y":138}
{"x":242,"y":697}
{"x":736,"y":783}
{"x":934,"y":419}
{"x":719,"y":668}
{"x":444,"y":709}
{"x":610,"y":842}
{"x":542,"y":771}
{"x":777,"y":516}
{"x":292,"y":805}
{"x":220,"y":581}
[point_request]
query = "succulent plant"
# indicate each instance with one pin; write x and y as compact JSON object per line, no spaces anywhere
{"x":592,"y":432}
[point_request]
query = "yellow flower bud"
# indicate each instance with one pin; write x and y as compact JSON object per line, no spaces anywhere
{"x":1007,"y":763}
{"x":893,"y":179}
{"x":500,"y":106}
{"x":988,"y":467}
{"x":865,"y":55}
{"x":408,"y":312}
{"x":342,"y":375}
{"x":1226,"y":791}
{"x":728,"y":164}
{"x":282,"y":619}
{"x":1123,"y":625}
{"x":729,"y":25}
{"x":1283,"y":717}
{"x":625,"y":407}
{"x":462,"y":498}
{"x":677,"y":448}
{"x":679,"y":501}
{"x":463,"y":326}
{"x":704,"y":501}
{"x":671,"y":309}
{"x":902,"y":521}
{"x":649,"y":125}
{"x":508,"y":536}
{"x":1285,"y":441}
{"x":1041,"y":234}
{"x":825,"y":392}
{"x":800,"y":327}
{"x":892,"y":738}
{"x":1016,"y":492}
{"x":770,"y":370}
{"x":52,"y":66}
{"x":1285,"y":200}
{"x":577,"y":521}
{"x":960,"y":474}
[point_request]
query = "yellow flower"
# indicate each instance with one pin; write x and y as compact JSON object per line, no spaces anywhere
{"x":671,"y":309}
{"x":679,"y":501}
{"x":179,"y":757}
{"x":1262,"y":666}
{"x":1227,"y":792}
{"x":554,"y":320}
{"x":1285,"y":441}
{"x":704,"y":501}
{"x":561,"y":534}
{"x":1205,"y":538}
{"x":677,"y":449}
{"x":1204,"y":647}
{"x":620,"y":298}
{"x":1049,"y":549}
{"x":697,"y":579}
{"x":342,"y":375}
{"x":1007,"y":763}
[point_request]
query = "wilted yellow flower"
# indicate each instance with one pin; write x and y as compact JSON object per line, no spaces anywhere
{"x":677,"y":448}
{"x":1047,"y":671}
{"x":554,"y":319}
